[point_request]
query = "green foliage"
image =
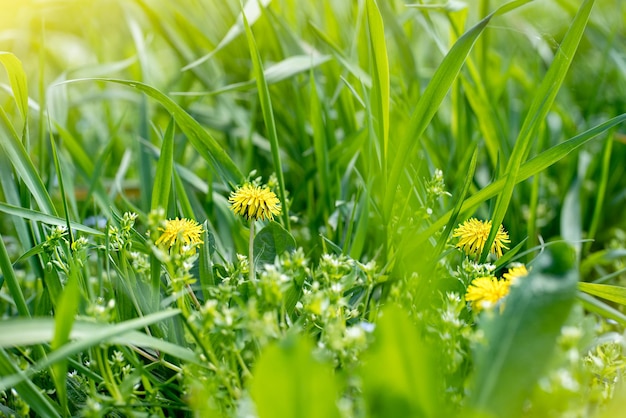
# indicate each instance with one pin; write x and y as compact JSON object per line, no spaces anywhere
{"x":519,"y":340}
{"x":289,"y":382}
{"x":381,"y":126}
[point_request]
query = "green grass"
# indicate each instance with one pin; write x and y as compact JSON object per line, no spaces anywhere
{"x":381,"y":126}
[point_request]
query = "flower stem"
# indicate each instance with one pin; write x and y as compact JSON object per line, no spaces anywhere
{"x":251,"y":252}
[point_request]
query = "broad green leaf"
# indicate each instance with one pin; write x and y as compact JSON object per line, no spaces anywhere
{"x":271,"y":241}
{"x":400,"y":371}
{"x":611,"y":293}
{"x":288,"y":382}
{"x":520,"y":338}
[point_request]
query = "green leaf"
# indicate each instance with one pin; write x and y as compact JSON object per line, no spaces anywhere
{"x":268,"y":118}
{"x":210,"y":150}
{"x":163,"y":177}
{"x":612,"y":293}
{"x":288,"y":382}
{"x":271,"y":241}
{"x":380,"y":77}
{"x":94,"y":335}
{"x":528,"y":169}
{"x":433,"y":95}
{"x":46,"y":219}
{"x":400,"y":373}
{"x":541,"y":104}
{"x":519,"y":340}
{"x":17,"y":78}
{"x":29,"y":392}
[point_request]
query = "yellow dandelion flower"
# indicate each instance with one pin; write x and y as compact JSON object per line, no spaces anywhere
{"x":515,"y":273}
{"x":254,"y":202}
{"x":473,"y":234}
{"x":485,"y":292}
{"x":185,"y":231}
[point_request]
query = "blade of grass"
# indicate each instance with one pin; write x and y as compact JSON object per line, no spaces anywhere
{"x":527,"y":170}
{"x":251,"y":11}
{"x":542,"y":102}
{"x":13,"y":147}
{"x":200,"y":139}
{"x":97,"y":335}
{"x":380,"y":78}
{"x":268,"y":117}
{"x":432,"y":97}
{"x":600,"y":192}
{"x":46,"y":219}
{"x":29,"y":392}
{"x":165,"y":165}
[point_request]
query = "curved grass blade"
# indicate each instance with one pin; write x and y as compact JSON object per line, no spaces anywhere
{"x":542,"y":102}
{"x":95,"y":335}
{"x":46,"y":219}
{"x":433,"y":95}
{"x":609,"y":292}
{"x":268,"y":117}
{"x":199,"y":138}
{"x":527,"y":170}
{"x":251,"y":11}
{"x":17,"y":78}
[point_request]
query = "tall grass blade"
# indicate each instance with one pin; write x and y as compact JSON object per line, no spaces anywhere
{"x":163,"y":177}
{"x":251,"y":11}
{"x":268,"y":117}
{"x":380,"y":78}
{"x":432,"y":97}
{"x":17,"y":78}
{"x":527,"y":170}
{"x":542,"y":102}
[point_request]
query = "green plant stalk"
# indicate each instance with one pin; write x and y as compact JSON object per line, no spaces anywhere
{"x":251,"y":270}
{"x":12,"y":282}
{"x":600,"y":193}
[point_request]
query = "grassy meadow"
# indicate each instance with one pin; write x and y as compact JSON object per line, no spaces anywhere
{"x":279,"y":209}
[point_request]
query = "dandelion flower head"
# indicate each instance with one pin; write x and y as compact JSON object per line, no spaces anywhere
{"x":184,"y":231}
{"x":254,"y":202}
{"x":515,"y":273}
{"x":485,"y":292}
{"x":473,"y":235}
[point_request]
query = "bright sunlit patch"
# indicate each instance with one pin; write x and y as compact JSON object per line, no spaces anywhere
{"x":183,"y":231}
{"x":473,"y":235}
{"x":254,"y":202}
